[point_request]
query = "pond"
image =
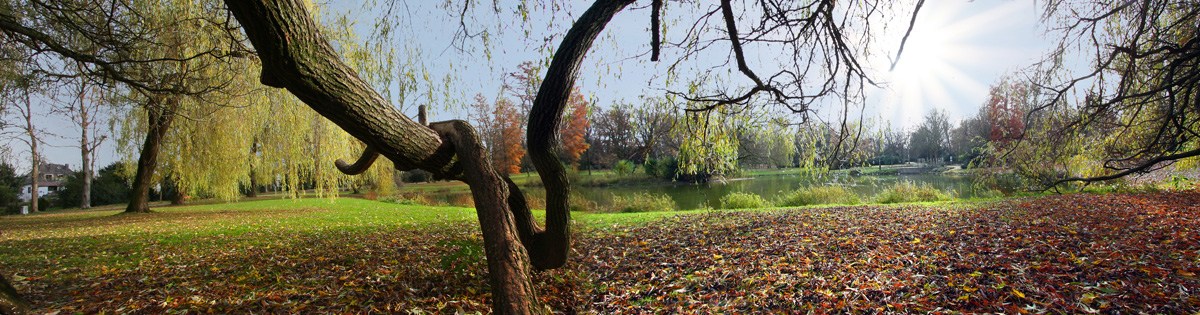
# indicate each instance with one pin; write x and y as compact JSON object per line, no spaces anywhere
{"x":772,"y":187}
{"x":689,"y":196}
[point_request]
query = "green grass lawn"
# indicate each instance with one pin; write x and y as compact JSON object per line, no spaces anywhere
{"x":1060,"y":254}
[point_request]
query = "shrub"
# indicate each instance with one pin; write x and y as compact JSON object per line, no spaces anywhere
{"x":44,"y":203}
{"x":906,"y":191}
{"x":668,"y":168}
{"x":739,"y":200}
{"x":820,"y":195}
{"x":623,"y":167}
{"x":643,"y":202}
{"x":651,"y":167}
{"x":400,"y":200}
{"x":579,"y":203}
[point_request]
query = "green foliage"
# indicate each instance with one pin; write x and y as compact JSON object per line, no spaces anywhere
{"x":109,"y":187}
{"x":906,"y":191}
{"x":820,"y":195}
{"x":710,"y":145}
{"x":578,"y":203}
{"x":10,"y":186}
{"x":739,"y":200}
{"x":651,"y":167}
{"x":643,"y":202}
{"x":623,"y":167}
{"x":400,"y":200}
{"x":668,"y":168}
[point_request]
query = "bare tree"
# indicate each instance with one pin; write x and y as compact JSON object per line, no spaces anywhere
{"x":85,"y":112}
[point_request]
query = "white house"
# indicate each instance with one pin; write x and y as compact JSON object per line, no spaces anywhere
{"x":50,"y":179}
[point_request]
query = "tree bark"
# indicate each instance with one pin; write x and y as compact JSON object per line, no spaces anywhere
{"x":86,"y":201}
{"x":11,"y":303}
{"x":34,"y":157}
{"x":158,"y":120}
{"x":297,"y":57}
{"x":549,"y":248}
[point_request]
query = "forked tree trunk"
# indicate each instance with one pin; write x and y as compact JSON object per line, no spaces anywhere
{"x":158,"y":120}
{"x":296,"y":56}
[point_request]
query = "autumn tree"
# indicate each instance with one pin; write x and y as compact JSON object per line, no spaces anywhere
{"x":509,"y":144}
{"x":296,"y":56}
{"x":1005,"y":112}
{"x":574,"y":131}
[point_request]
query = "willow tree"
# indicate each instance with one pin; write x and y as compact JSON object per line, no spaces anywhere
{"x":162,"y":53}
{"x":1135,"y":107}
{"x":296,"y":56}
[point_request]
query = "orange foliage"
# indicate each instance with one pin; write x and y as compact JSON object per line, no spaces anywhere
{"x":574,"y":131}
{"x":509,"y":147}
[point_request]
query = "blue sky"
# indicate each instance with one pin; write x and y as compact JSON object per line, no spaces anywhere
{"x":957,"y":49}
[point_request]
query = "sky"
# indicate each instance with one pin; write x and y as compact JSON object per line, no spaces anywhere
{"x":957,"y":49}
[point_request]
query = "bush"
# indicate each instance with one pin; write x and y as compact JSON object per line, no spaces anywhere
{"x":580,"y":203}
{"x":400,"y":200}
{"x":651,"y":167}
{"x":668,"y":168}
{"x":643,"y":202}
{"x":623,"y":167}
{"x":739,"y":200}
{"x":906,"y":191}
{"x":108,"y":187}
{"x":820,"y":195}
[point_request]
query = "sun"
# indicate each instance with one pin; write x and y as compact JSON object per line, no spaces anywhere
{"x":931,"y":72}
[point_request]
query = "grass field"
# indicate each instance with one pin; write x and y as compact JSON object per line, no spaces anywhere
{"x":1059,"y":254}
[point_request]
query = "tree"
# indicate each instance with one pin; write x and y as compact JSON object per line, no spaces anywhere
{"x":895,"y":146}
{"x":160,"y":53}
{"x":84,"y":114}
{"x":932,"y":137}
{"x":1138,"y":106}
{"x":510,"y":147}
{"x":574,"y":132}
{"x":652,"y":125}
{"x":1005,"y":112}
{"x":710,"y":146}
{"x":31,"y":138}
{"x":287,"y":41}
{"x":613,"y":135}
{"x":10,"y":187}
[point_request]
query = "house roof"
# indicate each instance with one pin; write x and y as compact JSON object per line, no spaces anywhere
{"x":50,"y":169}
{"x":56,"y":169}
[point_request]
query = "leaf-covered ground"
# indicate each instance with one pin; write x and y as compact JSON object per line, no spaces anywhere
{"x":1061,"y":254}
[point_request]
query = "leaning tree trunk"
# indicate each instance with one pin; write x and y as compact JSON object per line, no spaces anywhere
{"x":11,"y":303}
{"x":297,"y":57}
{"x":158,"y":120}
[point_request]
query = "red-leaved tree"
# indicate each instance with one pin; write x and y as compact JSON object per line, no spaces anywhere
{"x":1005,"y":111}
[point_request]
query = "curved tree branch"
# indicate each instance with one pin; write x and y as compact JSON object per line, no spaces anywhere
{"x":549,"y":247}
